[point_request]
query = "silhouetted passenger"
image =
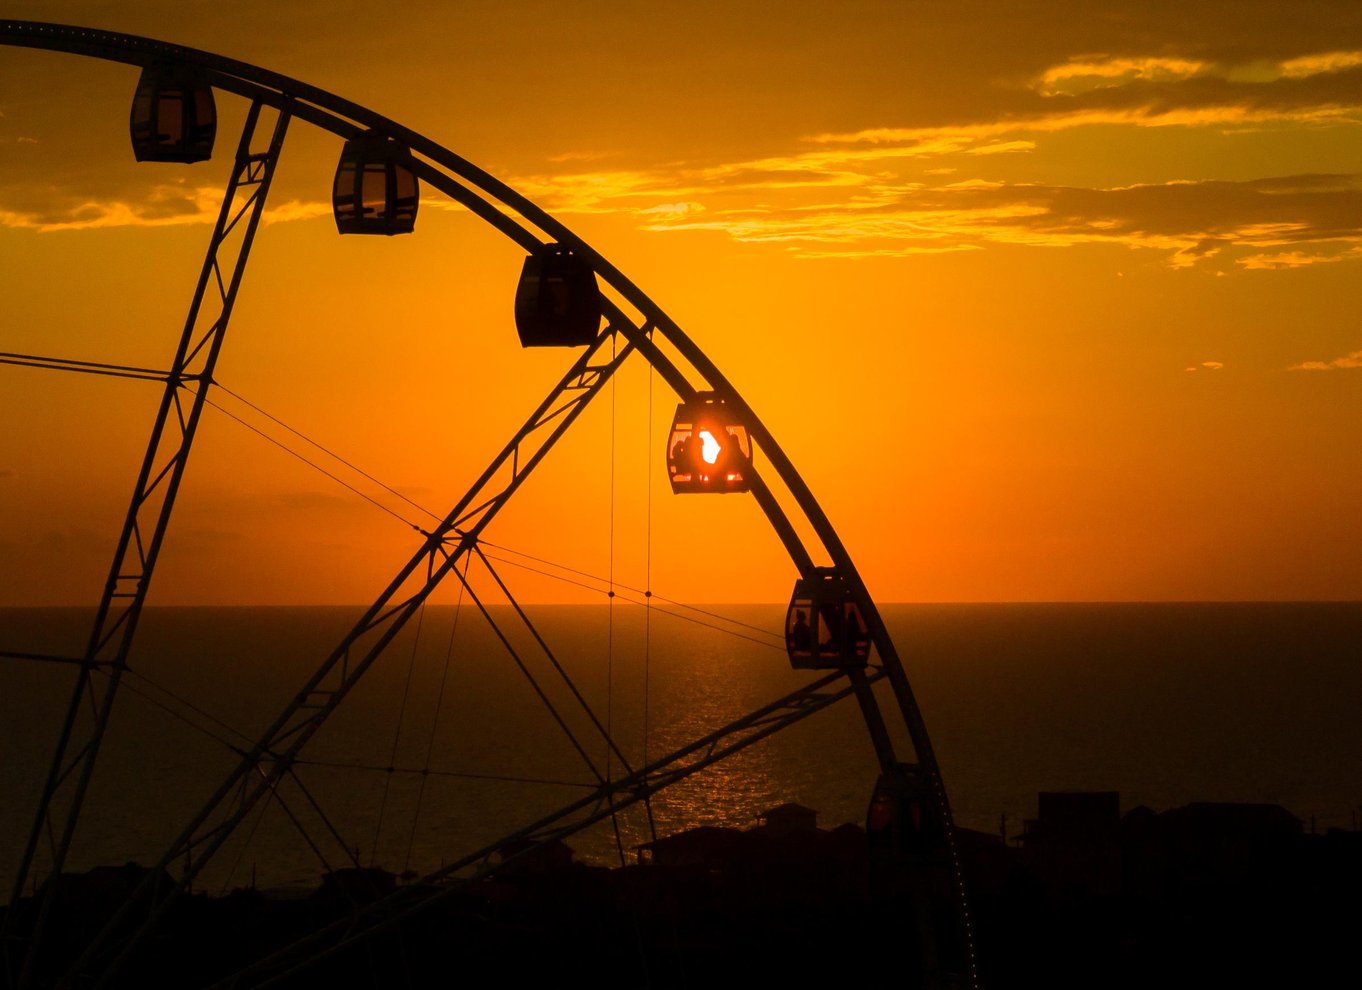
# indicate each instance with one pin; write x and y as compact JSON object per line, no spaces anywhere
{"x":798,"y":638}
{"x":731,"y":458}
{"x":681,"y":456}
{"x":852,"y":633}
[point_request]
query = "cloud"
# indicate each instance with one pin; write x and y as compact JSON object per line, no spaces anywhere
{"x":1152,"y":113}
{"x":1283,"y":221}
{"x":1313,"y":65}
{"x":1088,"y":73}
{"x":160,"y":206}
{"x":1003,"y":148}
{"x":1326,"y":254}
{"x":873,"y":191}
{"x":672,"y":211}
{"x":877,"y":191}
{"x":1149,"y":91}
{"x":1205,"y":366}
{"x":884,"y":191}
{"x":1101,"y":71}
{"x":296,"y":209}
{"x":1353,"y":360}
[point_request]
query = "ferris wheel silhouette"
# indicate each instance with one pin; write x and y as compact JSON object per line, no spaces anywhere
{"x":568,"y":296}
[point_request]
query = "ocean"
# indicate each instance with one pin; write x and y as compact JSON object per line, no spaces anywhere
{"x":1166,"y":703}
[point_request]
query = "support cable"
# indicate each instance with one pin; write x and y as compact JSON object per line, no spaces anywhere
{"x":180,"y":716}
{"x":435,"y":722}
{"x":45,"y":363}
{"x":312,"y":464}
{"x":52,"y":658}
{"x":241,"y":851}
{"x":647,"y":594}
{"x":610,"y":614}
{"x":226,"y":743}
{"x":648,"y":598}
{"x":197,"y":710}
{"x":461,"y":775}
{"x":298,"y":825}
{"x":351,"y":853}
{"x":644,"y":592}
{"x":331,"y":453}
{"x":765,"y":643}
{"x":538,"y":690}
{"x":397,"y":733}
{"x":553,"y":661}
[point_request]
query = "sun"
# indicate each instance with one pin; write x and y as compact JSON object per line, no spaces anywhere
{"x":711,"y":448}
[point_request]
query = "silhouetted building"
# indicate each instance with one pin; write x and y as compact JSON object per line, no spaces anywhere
{"x":706,"y":847}
{"x":356,"y":884}
{"x":788,"y":817}
{"x":527,"y":856}
{"x":101,"y":890}
{"x":1206,"y":845}
{"x":1074,"y":846}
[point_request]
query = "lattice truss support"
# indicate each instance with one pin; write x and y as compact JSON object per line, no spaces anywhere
{"x":139,"y":544}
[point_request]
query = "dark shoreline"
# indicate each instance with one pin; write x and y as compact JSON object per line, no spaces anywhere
{"x":1197,"y":896}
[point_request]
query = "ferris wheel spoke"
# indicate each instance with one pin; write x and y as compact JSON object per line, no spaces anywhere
{"x":149,"y":514}
{"x":552,"y":658}
{"x":534,"y":682}
{"x":295,"y":726}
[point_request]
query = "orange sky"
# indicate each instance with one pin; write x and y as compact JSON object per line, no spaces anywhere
{"x":1044,"y":304}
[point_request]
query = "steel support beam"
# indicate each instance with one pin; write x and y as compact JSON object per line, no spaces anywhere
{"x":139,"y":544}
{"x":275,"y":752}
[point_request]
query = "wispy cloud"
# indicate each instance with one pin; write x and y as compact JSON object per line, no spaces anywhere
{"x":1092,"y":72}
{"x":1314,"y":65}
{"x":815,"y":208}
{"x":1100,"y":71}
{"x":1278,"y":260}
{"x":1003,"y":148}
{"x":159,"y":206}
{"x":1353,"y":360}
{"x":900,"y":190}
{"x":939,"y":140}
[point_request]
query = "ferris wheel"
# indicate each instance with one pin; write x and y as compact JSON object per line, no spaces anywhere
{"x":568,"y":296}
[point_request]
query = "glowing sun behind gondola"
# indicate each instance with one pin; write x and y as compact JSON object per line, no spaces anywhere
{"x":711,"y":447}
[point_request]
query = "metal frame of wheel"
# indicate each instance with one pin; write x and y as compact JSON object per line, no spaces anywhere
{"x":630,"y":317}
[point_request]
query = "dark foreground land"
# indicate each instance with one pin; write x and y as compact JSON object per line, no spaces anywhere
{"x":1200,"y":896}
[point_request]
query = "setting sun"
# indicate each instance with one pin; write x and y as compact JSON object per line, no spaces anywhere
{"x":711,"y":448}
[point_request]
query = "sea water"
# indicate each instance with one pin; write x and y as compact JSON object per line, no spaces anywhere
{"x":1167,"y":703}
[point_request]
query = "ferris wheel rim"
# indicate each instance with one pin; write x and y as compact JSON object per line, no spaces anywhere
{"x":346,"y":120}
